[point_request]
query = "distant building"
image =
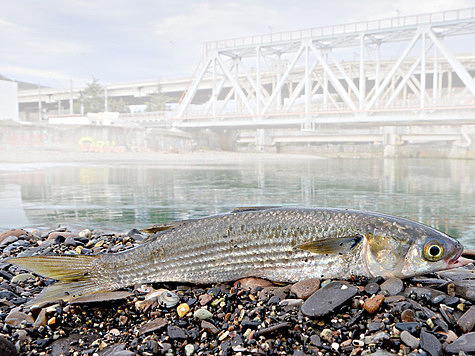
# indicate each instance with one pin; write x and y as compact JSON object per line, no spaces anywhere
{"x":8,"y":100}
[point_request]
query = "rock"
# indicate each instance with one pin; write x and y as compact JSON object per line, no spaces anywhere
{"x":116,"y":350}
{"x":430,"y":344}
{"x":175,"y":332}
{"x":15,"y":318}
{"x":327,"y":335}
{"x":467,"y":321}
{"x":372,"y":288}
{"x":269,"y":292}
{"x":167,"y":298}
{"x":251,"y":283}
{"x":153,"y":325}
{"x":202,"y":314}
{"x":412,"y":327}
{"x":22,"y":277}
{"x":205,"y":299}
{"x":465,"y":289}
{"x":189,"y":350}
{"x":208,"y":327}
{"x":328,"y":299}
{"x":376,"y":338}
{"x":183,"y":309}
{"x":272,"y":328}
{"x":392,"y":286}
{"x":290,"y":304}
{"x":409,"y":340}
{"x":456,"y":274}
{"x":102,"y":297}
{"x":315,"y":340}
{"x":305,"y":289}
{"x":372,"y":304}
{"x":465,"y":343}
{"x":40,"y":319}
{"x":56,"y":234}
{"x":12,"y":232}
{"x":7,"y":347}
{"x":408,"y":315}
{"x":8,"y":240}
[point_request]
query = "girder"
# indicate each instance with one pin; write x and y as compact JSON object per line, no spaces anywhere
{"x":343,"y":68}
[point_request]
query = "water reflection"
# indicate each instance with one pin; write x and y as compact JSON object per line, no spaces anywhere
{"x":440,"y":193}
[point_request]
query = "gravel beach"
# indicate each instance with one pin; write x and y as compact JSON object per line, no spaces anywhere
{"x":426,"y":315}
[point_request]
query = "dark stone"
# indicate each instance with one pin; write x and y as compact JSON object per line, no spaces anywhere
{"x":465,"y":289}
{"x":412,"y":327}
{"x":392,"y":286}
{"x":175,"y":332}
{"x":70,"y":242}
{"x":449,"y":300}
{"x":430,"y":344}
{"x":273,"y":328}
{"x":274,"y":300}
{"x":374,"y":326}
{"x":153,"y":325}
{"x":209,"y":327}
{"x":467,"y":320}
{"x":247,"y":323}
{"x":328,"y":299}
{"x":133,"y":232}
{"x":465,"y":343}
{"x":7,"y":294}
{"x":7,"y":347}
{"x":214,"y":291}
{"x":315,"y":340}
{"x":371,"y":288}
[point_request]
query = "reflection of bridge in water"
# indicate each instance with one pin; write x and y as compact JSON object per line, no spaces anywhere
{"x":373,"y":80}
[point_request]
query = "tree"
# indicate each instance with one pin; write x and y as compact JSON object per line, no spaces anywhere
{"x":92,"y":97}
{"x":157,"y":101}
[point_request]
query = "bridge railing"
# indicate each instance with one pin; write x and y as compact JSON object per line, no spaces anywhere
{"x":389,"y":23}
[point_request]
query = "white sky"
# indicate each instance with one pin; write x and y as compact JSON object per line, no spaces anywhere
{"x":52,"y":42}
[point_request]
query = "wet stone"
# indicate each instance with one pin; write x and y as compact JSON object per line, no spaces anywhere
{"x":15,"y":318}
{"x":411,"y":327}
{"x":252,"y":283}
{"x":374,"y":326}
{"x":102,"y":297}
{"x":7,"y":241}
{"x":372,"y":288}
{"x":153,"y":325}
{"x":175,"y":332}
{"x":408,"y":315}
{"x":22,"y":277}
{"x":328,"y":299}
{"x":7,"y":347}
{"x":305,"y":289}
{"x":202,"y":314}
{"x":209,"y":327}
{"x":430,"y":344}
{"x":409,"y":339}
{"x":467,"y":321}
{"x":372,"y":304}
{"x":465,"y":289}
{"x":392,"y":286}
{"x":465,"y":343}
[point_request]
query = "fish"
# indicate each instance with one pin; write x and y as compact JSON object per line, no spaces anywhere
{"x":281,"y":244}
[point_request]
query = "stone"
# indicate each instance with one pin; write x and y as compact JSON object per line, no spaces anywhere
{"x":153,"y":325}
{"x":189,"y":350}
{"x":175,"y":332}
{"x":376,"y":338}
{"x":465,"y":289}
{"x":327,"y":299}
{"x":102,"y":297}
{"x":202,"y":314}
{"x":290,"y":304}
{"x":372,"y":304}
{"x":412,"y":327}
{"x":408,"y":315}
{"x":183,"y":309}
{"x":467,"y":321}
{"x":315,"y":340}
{"x":8,"y":240}
{"x":409,"y":339}
{"x":306,"y":288}
{"x":205,"y":299}
{"x":430,"y":344}
{"x":15,"y":318}
{"x":40,"y":319}
{"x":209,"y":327}
{"x":252,"y":283}
{"x":372,"y":288}
{"x":116,"y":350}
{"x":7,"y":347}
{"x":327,"y":335}
{"x":12,"y":232}
{"x":392,"y":286}
{"x":55,"y":234}
{"x":22,"y":277}
{"x":465,"y":343}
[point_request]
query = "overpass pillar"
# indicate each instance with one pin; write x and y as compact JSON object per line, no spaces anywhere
{"x":391,"y":139}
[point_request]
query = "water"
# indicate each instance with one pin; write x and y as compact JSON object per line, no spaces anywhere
{"x":440,"y":193}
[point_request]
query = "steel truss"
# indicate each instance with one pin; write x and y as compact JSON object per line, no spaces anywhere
{"x":317,"y":71}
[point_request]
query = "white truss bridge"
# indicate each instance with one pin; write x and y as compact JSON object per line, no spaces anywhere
{"x":398,"y":70}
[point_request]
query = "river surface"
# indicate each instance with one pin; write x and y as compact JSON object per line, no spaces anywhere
{"x":119,"y":197}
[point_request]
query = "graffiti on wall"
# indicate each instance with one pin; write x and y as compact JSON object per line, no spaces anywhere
{"x":91,"y":144}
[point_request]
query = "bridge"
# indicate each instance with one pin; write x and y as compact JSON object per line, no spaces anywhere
{"x":395,"y":72}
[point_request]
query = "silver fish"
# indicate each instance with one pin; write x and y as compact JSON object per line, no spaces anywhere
{"x":279,"y":244}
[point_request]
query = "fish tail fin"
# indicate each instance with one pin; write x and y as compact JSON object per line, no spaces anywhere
{"x":72,"y":272}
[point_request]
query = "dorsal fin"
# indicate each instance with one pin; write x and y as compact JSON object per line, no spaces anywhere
{"x":254,"y":208}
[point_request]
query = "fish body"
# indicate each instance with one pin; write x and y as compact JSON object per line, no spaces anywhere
{"x":279,"y":244}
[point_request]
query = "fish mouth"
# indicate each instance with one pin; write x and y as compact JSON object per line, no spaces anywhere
{"x":458,"y":261}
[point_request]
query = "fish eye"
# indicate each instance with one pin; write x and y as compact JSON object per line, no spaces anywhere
{"x":433,"y":251}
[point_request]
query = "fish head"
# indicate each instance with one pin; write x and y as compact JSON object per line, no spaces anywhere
{"x":413,"y":250}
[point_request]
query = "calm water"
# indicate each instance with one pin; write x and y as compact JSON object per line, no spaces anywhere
{"x":440,"y":193}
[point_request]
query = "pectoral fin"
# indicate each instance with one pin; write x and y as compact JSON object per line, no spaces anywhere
{"x":332,"y":246}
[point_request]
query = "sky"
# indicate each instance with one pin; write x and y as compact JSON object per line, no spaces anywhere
{"x":54,"y":42}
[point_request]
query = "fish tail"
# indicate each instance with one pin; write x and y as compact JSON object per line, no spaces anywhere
{"x":72,"y":272}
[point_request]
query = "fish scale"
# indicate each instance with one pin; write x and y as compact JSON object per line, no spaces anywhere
{"x":280,"y":244}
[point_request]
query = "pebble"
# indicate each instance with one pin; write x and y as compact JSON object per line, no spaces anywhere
{"x":465,"y":343}
{"x":466,"y":289}
{"x":189,"y":350}
{"x":372,"y":304}
{"x":22,"y":277}
{"x":252,"y":283}
{"x":183,"y":309}
{"x":408,"y":315}
{"x":205,"y":299}
{"x":306,"y":288}
{"x":372,"y":288}
{"x":412,"y":327}
{"x":7,"y":241}
{"x":7,"y":347}
{"x":15,"y":318}
{"x":102,"y":297}
{"x":12,"y":232}
{"x":209,"y":327}
{"x":153,"y":325}
{"x":409,"y":339}
{"x":327,"y":335}
{"x":328,"y":298}
{"x":467,"y":321}
{"x":168,"y":298}
{"x":202,"y":314}
{"x":430,"y":344}
{"x":392,"y":286}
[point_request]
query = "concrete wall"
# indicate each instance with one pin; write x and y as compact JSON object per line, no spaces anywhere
{"x":8,"y":100}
